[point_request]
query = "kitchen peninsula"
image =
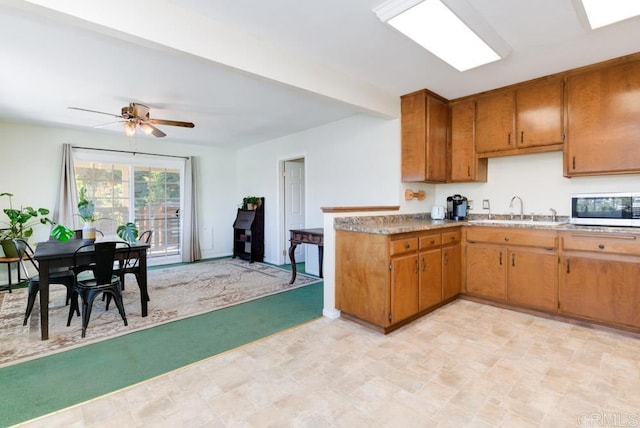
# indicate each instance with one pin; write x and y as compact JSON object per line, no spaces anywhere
{"x":393,"y":269}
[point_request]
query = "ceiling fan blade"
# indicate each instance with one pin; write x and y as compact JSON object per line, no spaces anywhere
{"x":148,"y":128}
{"x":95,"y":111}
{"x":102,"y":125}
{"x":171,"y":123}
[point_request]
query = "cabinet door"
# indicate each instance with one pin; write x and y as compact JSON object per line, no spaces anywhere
{"x":626,"y":293}
{"x":532,"y":278}
{"x":486,"y":271}
{"x":495,"y":122}
{"x":539,"y":114}
{"x":430,"y":265}
{"x":586,"y":286}
{"x":603,"y":129}
{"x":424,"y":121}
{"x":465,"y":165}
{"x":451,"y":271}
{"x":413,"y":122}
{"x":436,"y":141}
{"x":404,"y":287}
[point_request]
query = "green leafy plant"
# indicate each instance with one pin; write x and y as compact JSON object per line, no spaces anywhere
{"x":62,"y":233}
{"x":250,"y":200}
{"x":21,"y":221}
{"x":128,"y":232}
{"x":86,"y":208}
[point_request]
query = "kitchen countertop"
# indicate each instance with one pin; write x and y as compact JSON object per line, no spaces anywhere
{"x":406,"y":223}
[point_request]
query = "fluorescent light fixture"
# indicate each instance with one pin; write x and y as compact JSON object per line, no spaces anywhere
{"x":601,"y":12}
{"x":435,"y":27}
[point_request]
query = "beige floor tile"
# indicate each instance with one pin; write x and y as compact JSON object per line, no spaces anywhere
{"x":464,"y":365}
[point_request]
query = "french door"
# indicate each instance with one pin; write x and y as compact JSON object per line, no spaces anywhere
{"x":145,"y":191}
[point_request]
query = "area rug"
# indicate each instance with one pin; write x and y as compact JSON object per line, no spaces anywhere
{"x":176,"y":292}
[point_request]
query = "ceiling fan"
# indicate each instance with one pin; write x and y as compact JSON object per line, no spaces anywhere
{"x":136,"y":114}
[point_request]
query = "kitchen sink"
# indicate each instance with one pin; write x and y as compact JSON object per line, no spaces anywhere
{"x":519,"y":222}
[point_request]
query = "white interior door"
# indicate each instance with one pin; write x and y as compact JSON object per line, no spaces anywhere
{"x":294,"y":202}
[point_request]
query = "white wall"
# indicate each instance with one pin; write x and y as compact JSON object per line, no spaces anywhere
{"x":31,"y":157}
{"x":538,"y":180}
{"x":347,"y":163}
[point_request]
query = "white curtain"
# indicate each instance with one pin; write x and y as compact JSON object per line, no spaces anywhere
{"x":67,"y":198}
{"x":190,"y":240}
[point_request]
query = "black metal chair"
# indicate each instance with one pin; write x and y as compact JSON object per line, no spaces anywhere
{"x":131,"y":266}
{"x":104,"y":280}
{"x":62,"y":276}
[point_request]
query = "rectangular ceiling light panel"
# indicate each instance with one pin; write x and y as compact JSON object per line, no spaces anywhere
{"x":436,"y":28}
{"x":601,"y":12}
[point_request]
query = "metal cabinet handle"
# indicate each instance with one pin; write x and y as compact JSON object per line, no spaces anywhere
{"x":500,"y":258}
{"x":446,"y":258}
{"x":568,"y":265}
{"x":407,"y":246}
{"x":601,"y":246}
{"x":506,"y":238}
{"x":509,"y":138}
{"x":522,"y":136}
{"x":513,"y":259}
{"x":424,"y":264}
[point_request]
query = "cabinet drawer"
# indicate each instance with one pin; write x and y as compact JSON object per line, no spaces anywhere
{"x":513,"y":236}
{"x":452,"y":237}
{"x":404,"y":245}
{"x":430,"y":241}
{"x":601,"y":243}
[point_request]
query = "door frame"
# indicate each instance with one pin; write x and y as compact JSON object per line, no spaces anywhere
{"x":283,"y":253}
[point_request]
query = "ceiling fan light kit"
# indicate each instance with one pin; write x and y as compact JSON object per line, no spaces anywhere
{"x":129,"y":128}
{"x":136,"y":114}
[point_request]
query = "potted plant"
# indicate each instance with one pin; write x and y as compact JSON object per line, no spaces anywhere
{"x":20,"y":224}
{"x":86,"y":211}
{"x":250,"y":202}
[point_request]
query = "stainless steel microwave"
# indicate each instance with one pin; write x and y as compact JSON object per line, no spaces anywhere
{"x":606,"y":209}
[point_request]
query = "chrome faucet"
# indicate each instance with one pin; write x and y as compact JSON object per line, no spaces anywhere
{"x":521,"y":207}
{"x":554,"y":213}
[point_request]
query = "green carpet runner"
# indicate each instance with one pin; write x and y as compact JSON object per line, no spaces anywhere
{"x":47,"y":384}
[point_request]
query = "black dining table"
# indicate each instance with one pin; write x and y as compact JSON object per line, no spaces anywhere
{"x":55,"y":254}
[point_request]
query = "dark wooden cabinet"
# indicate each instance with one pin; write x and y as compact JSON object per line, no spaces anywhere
{"x":248,"y":234}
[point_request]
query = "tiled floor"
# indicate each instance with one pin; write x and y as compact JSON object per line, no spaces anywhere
{"x":466,"y":364}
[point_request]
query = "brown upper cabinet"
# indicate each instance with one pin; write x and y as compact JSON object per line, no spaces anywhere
{"x":424,"y":123}
{"x":603,"y":120}
{"x":522,"y":120}
{"x":464,"y":163}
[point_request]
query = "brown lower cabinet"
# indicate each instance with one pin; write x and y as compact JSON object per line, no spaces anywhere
{"x":385,"y":281}
{"x":600,"y":276}
{"x":517,"y":266}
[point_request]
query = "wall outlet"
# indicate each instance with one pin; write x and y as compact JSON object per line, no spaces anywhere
{"x":470,"y":204}
{"x":485,"y":204}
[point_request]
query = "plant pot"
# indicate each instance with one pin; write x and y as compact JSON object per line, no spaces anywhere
{"x":89,"y":232}
{"x":9,"y":248}
{"x":251,"y":206}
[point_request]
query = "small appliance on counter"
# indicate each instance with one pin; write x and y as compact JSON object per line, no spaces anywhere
{"x":457,"y":207}
{"x":606,"y":209}
{"x":438,"y":212}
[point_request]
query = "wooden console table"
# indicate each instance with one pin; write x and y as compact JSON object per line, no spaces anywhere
{"x":305,"y":236}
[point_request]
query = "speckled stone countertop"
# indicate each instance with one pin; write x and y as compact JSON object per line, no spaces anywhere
{"x":405,"y":223}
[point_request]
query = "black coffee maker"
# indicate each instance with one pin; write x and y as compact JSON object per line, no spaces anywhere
{"x":456,"y":207}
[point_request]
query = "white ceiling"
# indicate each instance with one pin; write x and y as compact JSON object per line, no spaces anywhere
{"x":247,"y":71}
